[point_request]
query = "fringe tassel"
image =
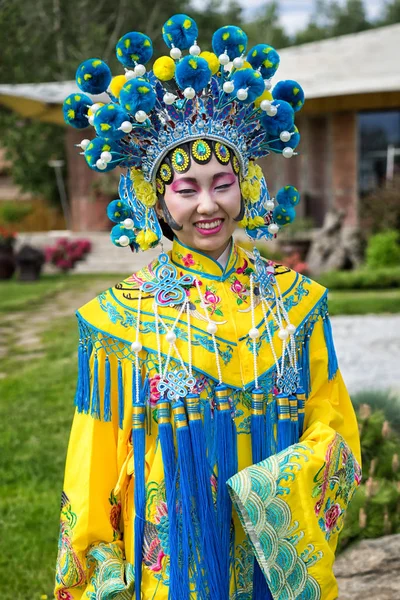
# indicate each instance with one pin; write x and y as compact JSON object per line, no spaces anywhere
{"x":209,"y":429}
{"x":209,"y":542}
{"x":86,"y":380}
{"x":294,"y":419}
{"x":332,"y":358}
{"x":107,"y":392}
{"x":139,"y":450}
{"x":305,"y":366}
{"x":120,"y":396}
{"x":301,"y":400}
{"x":226,"y":462}
{"x":95,"y":404}
{"x":270,"y":425}
{"x":284,"y":422}
{"x":79,"y":395}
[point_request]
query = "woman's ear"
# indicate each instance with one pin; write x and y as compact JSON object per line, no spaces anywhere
{"x":159,"y":210}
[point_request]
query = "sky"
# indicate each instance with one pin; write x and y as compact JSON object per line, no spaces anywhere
{"x":294,"y":14}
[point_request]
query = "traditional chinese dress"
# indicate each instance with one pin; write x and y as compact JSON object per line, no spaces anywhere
{"x":279,"y":510}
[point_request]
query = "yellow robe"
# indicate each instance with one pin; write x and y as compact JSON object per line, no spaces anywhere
{"x":288,"y":509}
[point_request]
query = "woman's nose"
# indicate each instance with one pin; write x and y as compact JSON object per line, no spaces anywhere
{"x":206,"y":204}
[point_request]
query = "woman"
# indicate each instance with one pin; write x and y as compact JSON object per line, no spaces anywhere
{"x":214,"y":449}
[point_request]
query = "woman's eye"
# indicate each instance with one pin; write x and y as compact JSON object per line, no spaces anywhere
{"x":225,"y":186}
{"x":186,"y":191}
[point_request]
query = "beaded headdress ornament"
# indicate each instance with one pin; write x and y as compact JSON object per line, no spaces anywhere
{"x":206,"y":101}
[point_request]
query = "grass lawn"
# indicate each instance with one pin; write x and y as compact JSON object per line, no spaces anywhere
{"x":363,"y":302}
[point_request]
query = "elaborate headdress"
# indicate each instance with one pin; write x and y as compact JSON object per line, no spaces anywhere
{"x":216,"y":101}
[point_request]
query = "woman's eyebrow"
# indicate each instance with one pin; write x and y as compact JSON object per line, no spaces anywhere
{"x":187,"y":180}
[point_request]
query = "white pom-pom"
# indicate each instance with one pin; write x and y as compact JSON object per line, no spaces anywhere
{"x":129,"y":74}
{"x":272,"y":111}
{"x":95,"y":107}
{"x":283,"y":334}
{"x":100,"y":164}
{"x":285,"y":136}
{"x":139,"y":70}
{"x":242,"y":94}
{"x":288,"y":152}
{"x":189,"y":93}
{"x":238,"y":62}
{"x":269,"y":205}
{"x":136,"y":347}
{"x":228,"y":87}
{"x":140,"y":116}
{"x":169,"y":98}
{"x":175,"y":53}
{"x":223,"y":59}
{"x":84,"y":144}
{"x":291,"y":329}
{"x":267,"y":84}
{"x":91,"y":120}
{"x":170,"y":337}
{"x":123,"y":240}
{"x":128,"y":223}
{"x":273,"y":228}
{"x":254,"y":333}
{"x":265,"y":105}
{"x":212,"y":328}
{"x":194,"y":50}
{"x":106,"y":156}
{"x":126,"y":127}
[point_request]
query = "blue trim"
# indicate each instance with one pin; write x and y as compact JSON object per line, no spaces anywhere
{"x":224,"y":274}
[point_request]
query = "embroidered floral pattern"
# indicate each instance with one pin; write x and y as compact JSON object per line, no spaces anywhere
{"x":189,"y":262}
{"x":241,"y":290}
{"x":115,"y":515}
{"x":69,"y":570}
{"x":112,"y":576}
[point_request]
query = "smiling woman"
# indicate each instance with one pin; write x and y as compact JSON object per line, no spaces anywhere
{"x":214,"y":448}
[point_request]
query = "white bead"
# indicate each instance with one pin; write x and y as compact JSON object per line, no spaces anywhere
{"x":273,"y":228}
{"x":128,"y":223}
{"x":123,"y":240}
{"x":170,"y":337}
{"x":265,"y":105}
{"x":126,"y":127}
{"x":228,"y":87}
{"x":169,"y":98}
{"x":291,"y":329}
{"x":270,"y":205}
{"x":242,"y":94}
{"x":129,"y":74}
{"x":140,"y":70}
{"x":100,"y":164}
{"x":136,"y":347}
{"x":106,"y":156}
{"x":285,"y":136}
{"x":223,"y":59}
{"x":95,"y":107}
{"x":175,"y":53}
{"x":254,"y":333}
{"x":288,"y":152}
{"x":283,"y":334}
{"x":267,"y":84}
{"x":189,"y":93}
{"x":84,"y":144}
{"x":140,"y":116}
{"x":212,"y":328}
{"x":194,"y":50}
{"x":91,"y":120}
{"x":271,"y":112}
{"x":238,"y":62}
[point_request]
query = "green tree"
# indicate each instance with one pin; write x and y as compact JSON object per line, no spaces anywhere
{"x":391,"y":13}
{"x":265,"y":28}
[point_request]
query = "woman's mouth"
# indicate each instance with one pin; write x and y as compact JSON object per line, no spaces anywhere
{"x":209,"y":227}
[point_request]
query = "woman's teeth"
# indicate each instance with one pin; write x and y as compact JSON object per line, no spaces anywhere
{"x":211,"y":225}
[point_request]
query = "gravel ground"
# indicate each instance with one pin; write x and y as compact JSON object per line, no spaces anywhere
{"x":368,"y":350}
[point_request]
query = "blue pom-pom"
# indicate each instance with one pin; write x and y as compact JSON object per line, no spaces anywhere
{"x":282,"y":121}
{"x":283,"y":215}
{"x":192,"y":71}
{"x":108,"y":119}
{"x":134,"y":48}
{"x":291,"y":92}
{"x":251,"y":81}
{"x":118,"y":211}
{"x":117,"y":231}
{"x":229,"y":39}
{"x":180,"y":31}
{"x":265,"y":58}
{"x":278,"y":145}
{"x":93,"y":76}
{"x":137,"y":94}
{"x":75,"y":110}
{"x":94,"y":150}
{"x":288,"y":196}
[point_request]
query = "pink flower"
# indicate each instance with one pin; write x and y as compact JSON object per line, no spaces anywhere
{"x":154,"y":393}
{"x":238,"y":288}
{"x":63,"y":595}
{"x":242,"y":269}
{"x":331,"y":516}
{"x":188,"y":260}
{"x":211,"y":299}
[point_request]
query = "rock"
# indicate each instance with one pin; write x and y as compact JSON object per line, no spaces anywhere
{"x":370,"y":569}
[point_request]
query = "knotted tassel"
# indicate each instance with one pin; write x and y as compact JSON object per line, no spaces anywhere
{"x":332,"y":358}
{"x":209,"y":429}
{"x":301,"y":408}
{"x":209,"y":540}
{"x":305,"y":366}
{"x":270,"y":425}
{"x":121,"y":405}
{"x":95,"y":403}
{"x":294,"y":419}
{"x":86,"y":380}
{"x":226,"y":462}
{"x":79,"y":395}
{"x":284,"y":423}
{"x":139,"y":450}
{"x":107,"y":392}
{"x":190,"y":541}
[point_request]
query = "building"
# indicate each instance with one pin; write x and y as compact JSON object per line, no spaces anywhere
{"x":350,"y":127}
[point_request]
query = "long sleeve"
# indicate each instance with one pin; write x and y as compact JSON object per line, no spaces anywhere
{"x":292,"y":505}
{"x":91,"y":556}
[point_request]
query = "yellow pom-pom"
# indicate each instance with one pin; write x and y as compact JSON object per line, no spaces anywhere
{"x":146,"y":238}
{"x":246,"y":65}
{"x":164,"y":68}
{"x":212,"y":61}
{"x":140,"y":239}
{"x":116,"y":84}
{"x":144,"y":191}
{"x":243,"y":223}
{"x":258,"y":221}
{"x":98,"y":105}
{"x":264,"y":96}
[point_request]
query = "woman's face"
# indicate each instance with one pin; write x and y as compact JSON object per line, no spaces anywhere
{"x":205,"y":201}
